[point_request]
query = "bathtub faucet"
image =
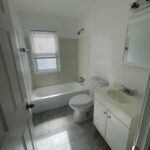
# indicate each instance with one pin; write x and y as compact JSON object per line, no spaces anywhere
{"x":81,"y":80}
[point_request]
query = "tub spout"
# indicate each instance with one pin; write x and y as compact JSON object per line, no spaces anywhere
{"x":81,"y":80}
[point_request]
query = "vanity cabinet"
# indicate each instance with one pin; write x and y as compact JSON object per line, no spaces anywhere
{"x":100,"y":117}
{"x":113,"y":130}
{"x":116,"y":133}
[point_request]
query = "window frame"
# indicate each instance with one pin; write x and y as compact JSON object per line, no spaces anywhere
{"x":33,"y":57}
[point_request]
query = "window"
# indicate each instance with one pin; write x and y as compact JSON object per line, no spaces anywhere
{"x":45,"y":51}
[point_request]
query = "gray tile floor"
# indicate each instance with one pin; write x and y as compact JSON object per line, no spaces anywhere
{"x":56,"y":130}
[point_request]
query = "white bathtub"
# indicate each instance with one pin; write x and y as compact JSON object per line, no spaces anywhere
{"x":52,"y":97}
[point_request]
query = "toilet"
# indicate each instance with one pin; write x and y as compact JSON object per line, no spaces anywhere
{"x":83,"y":104}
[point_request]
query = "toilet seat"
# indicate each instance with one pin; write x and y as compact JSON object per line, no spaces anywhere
{"x":81,"y":101}
{"x":82,"y":106}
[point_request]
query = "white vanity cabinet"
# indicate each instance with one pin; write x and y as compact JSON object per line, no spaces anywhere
{"x":100,"y":117}
{"x":117,"y":135}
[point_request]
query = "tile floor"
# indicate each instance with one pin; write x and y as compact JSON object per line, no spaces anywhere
{"x":56,"y":130}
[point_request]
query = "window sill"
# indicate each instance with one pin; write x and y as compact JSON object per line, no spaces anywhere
{"x":46,"y":72}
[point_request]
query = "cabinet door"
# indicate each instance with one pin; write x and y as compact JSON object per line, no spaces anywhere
{"x":116,"y":133}
{"x":100,"y":116}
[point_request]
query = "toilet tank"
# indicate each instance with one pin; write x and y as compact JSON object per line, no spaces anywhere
{"x":97,"y":82}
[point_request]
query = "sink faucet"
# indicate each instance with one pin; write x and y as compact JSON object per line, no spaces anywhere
{"x":128,"y":91}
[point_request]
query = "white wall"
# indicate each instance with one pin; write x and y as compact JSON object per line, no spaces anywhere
{"x":66,"y":27}
{"x":84,"y":57}
{"x":106,"y":23}
{"x":67,"y":33}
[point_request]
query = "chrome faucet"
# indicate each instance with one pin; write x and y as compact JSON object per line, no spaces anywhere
{"x":81,"y":80}
{"x":128,"y":91}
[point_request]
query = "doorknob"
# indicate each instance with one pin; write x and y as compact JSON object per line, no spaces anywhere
{"x":29,"y":106}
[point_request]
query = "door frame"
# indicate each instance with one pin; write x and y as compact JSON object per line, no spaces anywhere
{"x":142,"y":137}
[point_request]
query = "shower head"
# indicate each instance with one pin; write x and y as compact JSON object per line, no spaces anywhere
{"x":135,"y":5}
{"x":140,"y":4}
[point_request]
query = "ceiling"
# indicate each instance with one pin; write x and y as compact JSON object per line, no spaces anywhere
{"x":68,"y":8}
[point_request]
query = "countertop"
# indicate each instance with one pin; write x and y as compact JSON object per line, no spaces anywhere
{"x":124,"y":111}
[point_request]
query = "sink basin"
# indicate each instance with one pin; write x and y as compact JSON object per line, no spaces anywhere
{"x":118,"y":96}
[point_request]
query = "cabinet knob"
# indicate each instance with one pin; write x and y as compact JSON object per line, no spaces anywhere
{"x":105,"y":112}
{"x":109,"y":117}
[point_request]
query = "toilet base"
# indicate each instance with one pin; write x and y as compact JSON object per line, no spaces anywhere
{"x":81,"y":116}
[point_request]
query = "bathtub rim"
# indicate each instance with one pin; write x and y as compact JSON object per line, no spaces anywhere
{"x":37,"y":98}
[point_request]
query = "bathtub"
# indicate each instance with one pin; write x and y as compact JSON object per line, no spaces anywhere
{"x":52,"y":97}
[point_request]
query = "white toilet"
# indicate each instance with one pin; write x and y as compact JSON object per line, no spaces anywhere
{"x":82,"y":104}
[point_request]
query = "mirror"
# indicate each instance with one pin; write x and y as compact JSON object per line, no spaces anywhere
{"x":137,"y":48}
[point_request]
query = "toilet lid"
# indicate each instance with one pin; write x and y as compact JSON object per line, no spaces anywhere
{"x":82,"y":99}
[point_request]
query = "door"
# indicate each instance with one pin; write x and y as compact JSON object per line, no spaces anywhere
{"x":116,"y":133}
{"x":142,"y":138}
{"x":100,"y":116}
{"x":15,"y":131}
